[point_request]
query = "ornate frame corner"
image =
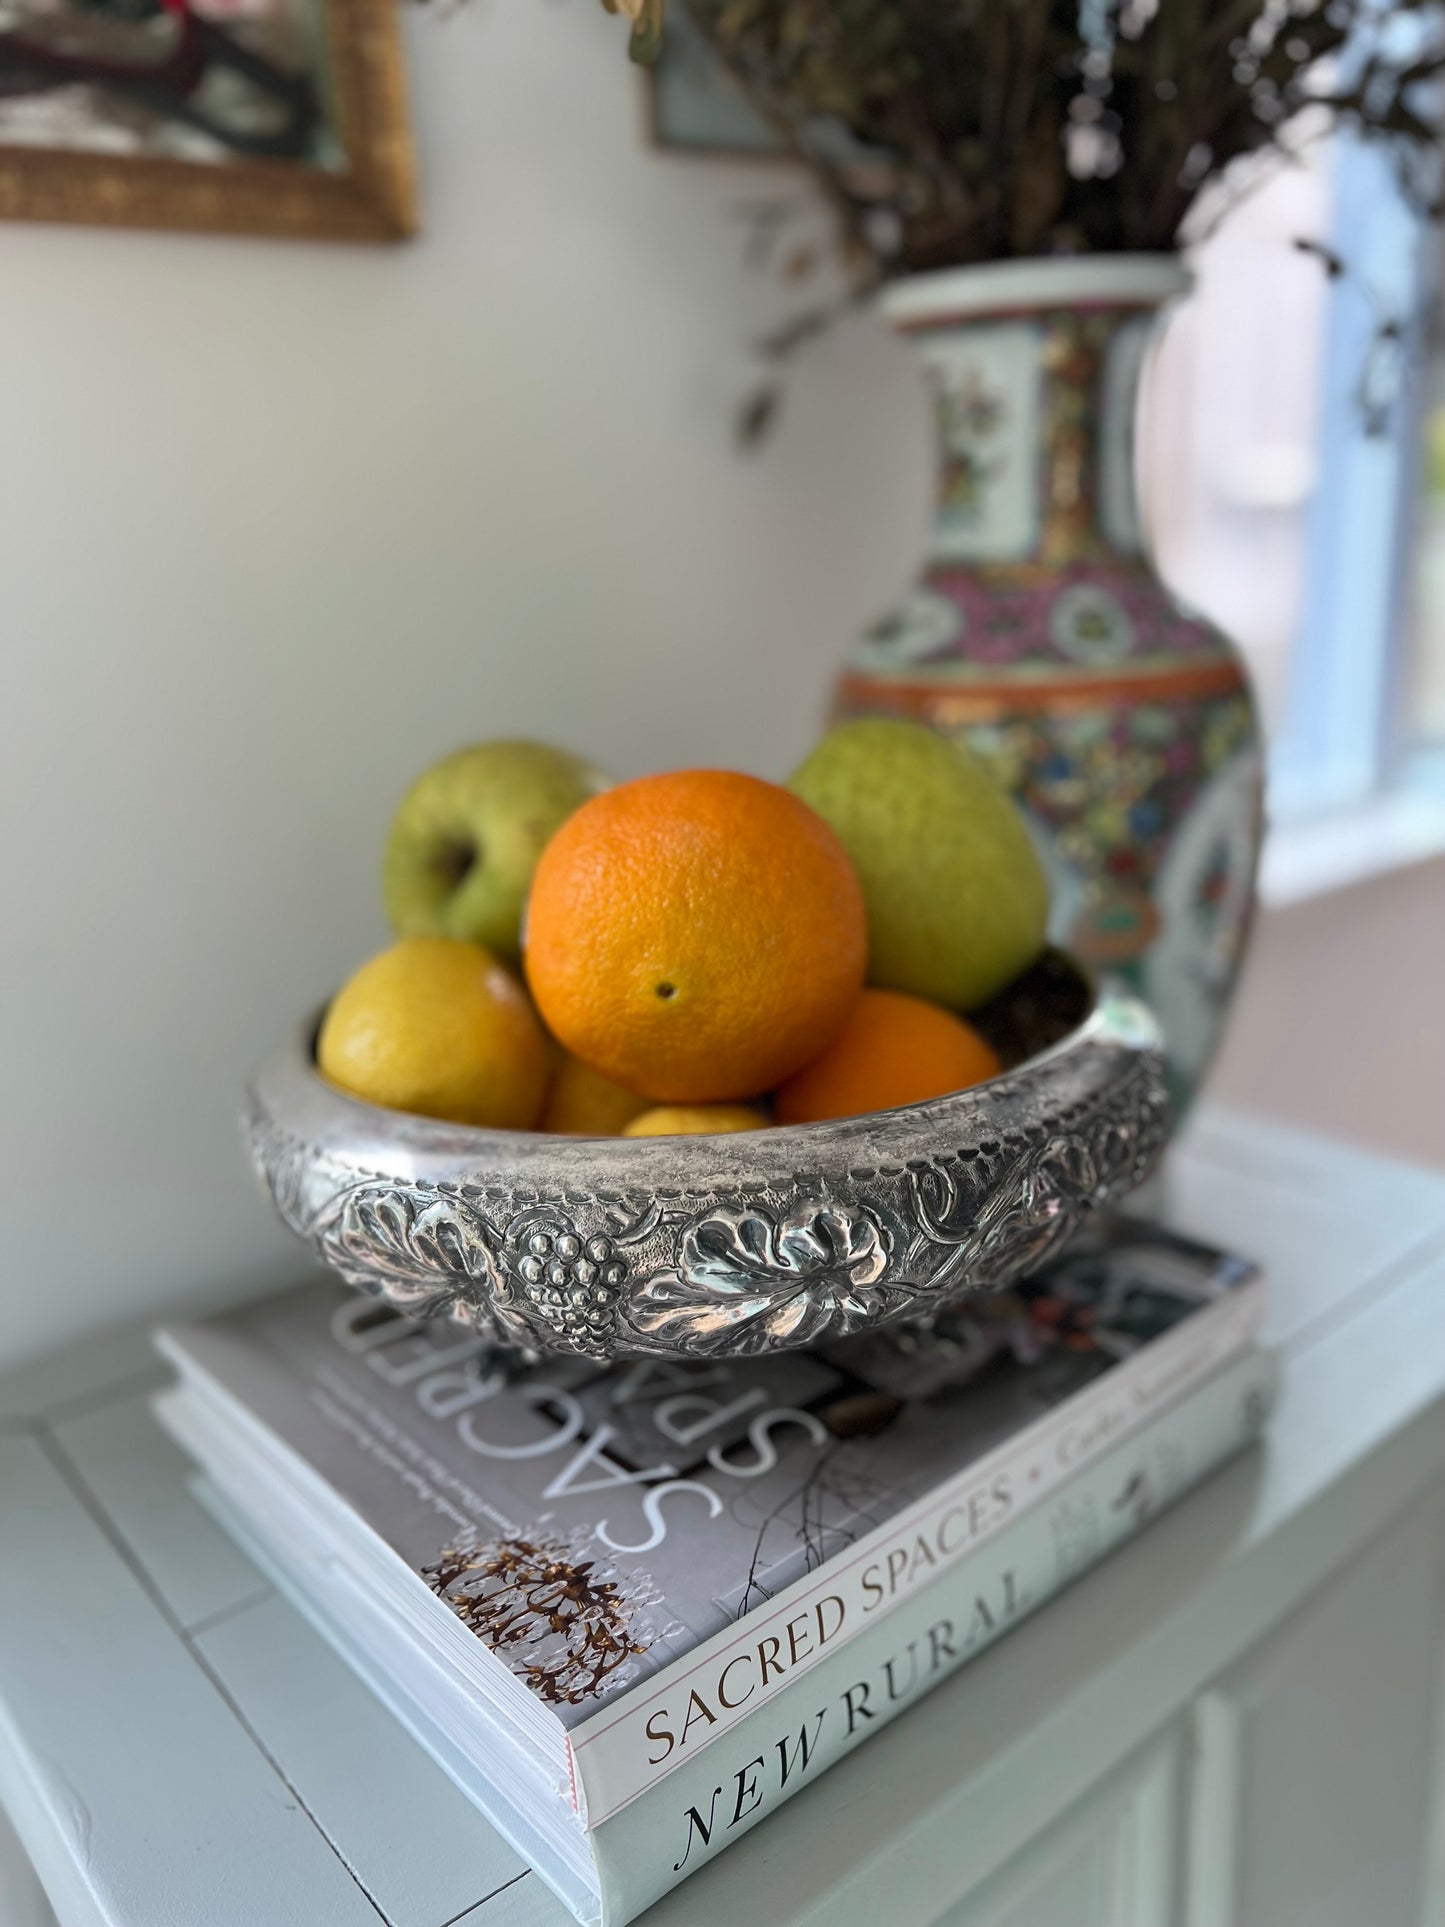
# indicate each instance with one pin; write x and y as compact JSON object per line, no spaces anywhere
{"x":375,"y":199}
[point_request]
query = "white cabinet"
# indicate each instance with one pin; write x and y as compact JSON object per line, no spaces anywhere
{"x":1113,"y":1857}
{"x":1303,"y":1787}
{"x":1234,"y":1721}
{"x":22,"y":1899}
{"x":1317,"y":1773}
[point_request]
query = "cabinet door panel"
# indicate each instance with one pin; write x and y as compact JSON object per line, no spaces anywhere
{"x":1315,"y":1769}
{"x":22,"y":1900}
{"x":1110,"y":1861}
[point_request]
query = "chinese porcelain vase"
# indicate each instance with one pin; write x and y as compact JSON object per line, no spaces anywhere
{"x":1040,"y":635}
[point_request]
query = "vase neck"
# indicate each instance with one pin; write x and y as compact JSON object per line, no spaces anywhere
{"x":1034,"y":415}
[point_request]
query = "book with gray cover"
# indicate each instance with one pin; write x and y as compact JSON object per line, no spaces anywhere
{"x":581,"y":1579}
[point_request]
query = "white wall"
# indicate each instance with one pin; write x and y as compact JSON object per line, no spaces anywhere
{"x":280,"y":524}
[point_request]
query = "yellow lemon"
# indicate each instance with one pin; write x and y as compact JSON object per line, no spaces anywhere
{"x":437,"y":1026}
{"x":584,"y":1103}
{"x":696,"y":1120}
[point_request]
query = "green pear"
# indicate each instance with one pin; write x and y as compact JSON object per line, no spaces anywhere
{"x":956,"y":897}
{"x":466,"y":839}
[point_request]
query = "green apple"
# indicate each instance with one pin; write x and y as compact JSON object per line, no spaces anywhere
{"x":956,"y":897}
{"x":466,"y":839}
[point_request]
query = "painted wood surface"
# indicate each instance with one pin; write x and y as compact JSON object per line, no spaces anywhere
{"x":1317,"y":1753}
{"x":1112,"y":1857}
{"x":178,"y":1749}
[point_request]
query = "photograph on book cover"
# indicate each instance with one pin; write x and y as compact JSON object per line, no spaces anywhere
{"x":595,"y":1525}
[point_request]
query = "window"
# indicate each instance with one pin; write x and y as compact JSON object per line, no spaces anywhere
{"x":1283,"y":453}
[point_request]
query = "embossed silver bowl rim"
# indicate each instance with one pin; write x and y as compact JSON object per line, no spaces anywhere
{"x":721,"y":1246}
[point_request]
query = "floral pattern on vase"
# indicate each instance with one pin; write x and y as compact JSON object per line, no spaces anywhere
{"x":1039,"y":633}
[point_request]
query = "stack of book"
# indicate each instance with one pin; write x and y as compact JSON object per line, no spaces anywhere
{"x":631,"y":1609}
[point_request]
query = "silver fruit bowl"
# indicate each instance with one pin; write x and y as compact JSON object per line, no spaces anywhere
{"x":717,"y":1247}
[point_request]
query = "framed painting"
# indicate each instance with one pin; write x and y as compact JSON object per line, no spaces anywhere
{"x":696,"y":107}
{"x":281,"y":117}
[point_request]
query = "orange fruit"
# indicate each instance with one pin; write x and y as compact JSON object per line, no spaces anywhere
{"x":894,"y":1049}
{"x":696,"y":937}
{"x":696,"y":1120}
{"x":584,"y":1103}
{"x":437,"y":1026}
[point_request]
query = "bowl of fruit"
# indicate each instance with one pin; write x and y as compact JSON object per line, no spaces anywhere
{"x":700,"y":1066}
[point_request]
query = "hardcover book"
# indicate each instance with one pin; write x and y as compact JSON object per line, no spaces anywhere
{"x":594,"y":1591}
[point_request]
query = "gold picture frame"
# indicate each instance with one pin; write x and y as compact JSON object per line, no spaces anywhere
{"x":694,"y":108}
{"x":371,"y":198}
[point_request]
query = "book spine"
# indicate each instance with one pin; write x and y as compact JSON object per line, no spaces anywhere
{"x":688,"y":1817}
{"x":621,"y":1752}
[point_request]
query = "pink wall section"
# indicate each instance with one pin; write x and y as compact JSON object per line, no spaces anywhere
{"x":1340,"y":1022}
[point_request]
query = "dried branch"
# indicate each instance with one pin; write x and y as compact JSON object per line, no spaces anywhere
{"x":951,"y":131}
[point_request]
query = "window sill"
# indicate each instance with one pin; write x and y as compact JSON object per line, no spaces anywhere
{"x":1314,"y":856}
